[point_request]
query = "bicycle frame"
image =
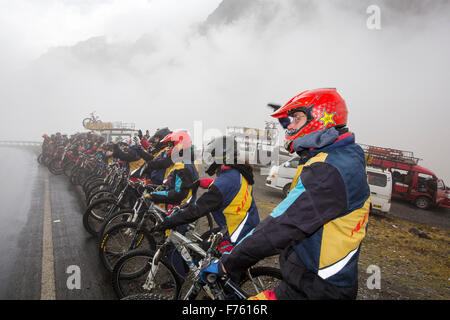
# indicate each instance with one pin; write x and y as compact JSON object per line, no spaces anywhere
{"x":213,"y":288}
{"x":178,"y":240}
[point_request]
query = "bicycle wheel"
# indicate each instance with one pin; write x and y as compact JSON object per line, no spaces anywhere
{"x":53,"y":167}
{"x":204,"y":224}
{"x":93,"y":176}
{"x":98,"y":186}
{"x":260,"y":279}
{"x":99,"y":195}
{"x":74,"y":179}
{"x":120,"y":239}
{"x":83,"y":174}
{"x":132,"y":270}
{"x":145,"y":296}
{"x":67,"y":168}
{"x":86,"y":122}
{"x":92,"y":182}
{"x":122,"y":216}
{"x":96,"y":213}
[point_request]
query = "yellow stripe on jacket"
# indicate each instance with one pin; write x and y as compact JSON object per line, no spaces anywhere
{"x":236,"y":211}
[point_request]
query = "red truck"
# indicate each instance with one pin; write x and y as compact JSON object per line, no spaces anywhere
{"x":410,"y":181}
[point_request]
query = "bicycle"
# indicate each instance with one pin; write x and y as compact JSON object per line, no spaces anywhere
{"x":149,"y":274}
{"x":99,"y":211}
{"x":129,"y":229}
{"x":116,"y":180}
{"x":92,"y":119}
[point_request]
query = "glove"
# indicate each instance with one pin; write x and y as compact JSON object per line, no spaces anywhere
{"x":205,"y":183}
{"x":214,"y":267}
{"x":288,"y":146}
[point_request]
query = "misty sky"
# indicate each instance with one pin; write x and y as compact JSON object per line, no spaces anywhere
{"x":169,"y":63}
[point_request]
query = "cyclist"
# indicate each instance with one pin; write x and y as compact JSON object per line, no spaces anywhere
{"x":318,"y":228}
{"x":130,"y":155}
{"x":229,"y":196}
{"x":182,"y":178}
{"x":46,"y":143}
{"x":156,"y":155}
{"x":181,"y":184}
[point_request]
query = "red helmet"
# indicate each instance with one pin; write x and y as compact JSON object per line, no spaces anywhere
{"x":178,"y":140}
{"x":324,"y":108}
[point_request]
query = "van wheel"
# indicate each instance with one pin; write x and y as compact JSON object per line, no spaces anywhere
{"x":422,"y":203}
{"x":286,"y":190}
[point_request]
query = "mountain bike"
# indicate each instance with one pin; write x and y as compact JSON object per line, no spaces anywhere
{"x":149,"y":274}
{"x":92,"y":119}
{"x":96,"y":213}
{"x":129,"y":229}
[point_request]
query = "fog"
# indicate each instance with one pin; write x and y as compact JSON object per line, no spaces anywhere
{"x":169,"y":63}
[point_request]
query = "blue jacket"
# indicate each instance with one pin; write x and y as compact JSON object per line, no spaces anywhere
{"x":230,"y":200}
{"x":317,"y":229}
{"x":238,"y":209}
{"x":181,"y":184}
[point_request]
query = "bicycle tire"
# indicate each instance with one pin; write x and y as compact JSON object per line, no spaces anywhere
{"x":96,"y":186}
{"x":46,"y":160}
{"x":83,"y":174}
{"x":90,"y":181}
{"x":145,"y":296}
{"x":86,"y":121}
{"x":125,"y":285}
{"x":74,"y":175}
{"x":52,"y":167}
{"x":67,"y":168}
{"x":39,"y":158}
{"x":124,"y":233}
{"x":264,"y":278}
{"x":121,"y":216}
{"x":92,"y":220}
{"x":101,"y":194}
{"x":203,"y":226}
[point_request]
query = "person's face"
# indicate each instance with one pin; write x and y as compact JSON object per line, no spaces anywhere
{"x":298,"y":120}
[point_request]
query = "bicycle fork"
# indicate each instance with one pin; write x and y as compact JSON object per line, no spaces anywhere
{"x":150,"y":281}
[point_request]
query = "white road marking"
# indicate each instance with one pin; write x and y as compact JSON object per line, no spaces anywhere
{"x":48,"y":266}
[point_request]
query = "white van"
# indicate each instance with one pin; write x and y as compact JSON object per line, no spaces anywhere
{"x":380,"y":183}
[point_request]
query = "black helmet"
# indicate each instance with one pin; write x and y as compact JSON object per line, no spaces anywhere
{"x":220,"y":150}
{"x":161,"y":133}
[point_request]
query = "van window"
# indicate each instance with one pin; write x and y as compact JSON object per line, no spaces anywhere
{"x":377,"y":179}
{"x":294,"y":163}
{"x":424,"y":176}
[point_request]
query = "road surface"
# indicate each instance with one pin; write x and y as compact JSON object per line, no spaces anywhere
{"x":45,"y":251}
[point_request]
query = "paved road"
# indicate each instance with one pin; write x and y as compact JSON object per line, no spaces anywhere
{"x":38,"y":264}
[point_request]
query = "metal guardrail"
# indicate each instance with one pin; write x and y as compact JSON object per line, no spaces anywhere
{"x":20,"y":143}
